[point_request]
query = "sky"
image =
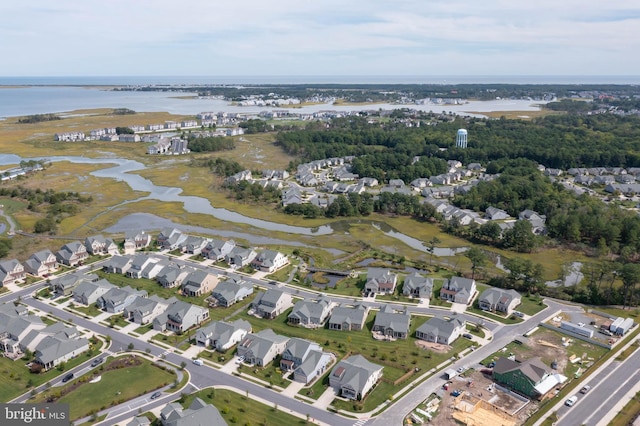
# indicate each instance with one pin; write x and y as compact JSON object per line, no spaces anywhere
{"x":319,"y":37}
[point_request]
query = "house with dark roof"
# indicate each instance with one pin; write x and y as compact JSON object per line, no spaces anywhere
{"x":240,"y":256}
{"x":311,"y":312}
{"x":439,"y":330}
{"x":228,"y":292}
{"x":11,"y":272}
{"x":458,"y":290}
{"x":99,"y":245}
{"x":118,"y":265}
{"x":538,"y":221}
{"x":72,"y":254}
{"x":380,"y":281}
{"x":269,"y":261}
{"x":117,"y":299}
{"x":170,"y":239}
{"x":144,"y":310}
{"x":498,"y":299}
{"x":139,"y":421}
{"x":348,"y":318}
{"x":15,"y":325}
{"x":198,"y":283}
{"x":221,"y":335}
{"x":180,"y":316}
{"x":172,"y":275}
{"x":218,"y":249}
{"x":494,"y":213}
{"x":392,"y":324}
{"x":306,"y":359}
{"x":59,"y":347}
{"x":354,"y":377}
{"x":531,"y":377}
{"x":415,"y":285}
{"x":261,"y":348}
{"x":65,"y":284}
{"x":271,"y":303}
{"x":136,"y":240}
{"x":199,"y":413}
{"x":194,"y":245}
{"x":88,"y":292}
{"x":139,"y":263}
{"x":41,"y":263}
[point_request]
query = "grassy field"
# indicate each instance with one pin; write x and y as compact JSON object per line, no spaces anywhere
{"x":628,"y":414}
{"x":114,"y":387}
{"x":238,"y":409}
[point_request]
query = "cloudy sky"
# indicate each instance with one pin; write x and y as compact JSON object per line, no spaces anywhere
{"x":319,"y":37}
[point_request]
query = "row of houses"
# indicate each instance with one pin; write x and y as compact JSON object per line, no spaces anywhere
{"x":51,"y":344}
{"x":172,"y":146}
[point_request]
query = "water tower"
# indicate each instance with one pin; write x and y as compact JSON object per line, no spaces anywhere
{"x":461,"y":138}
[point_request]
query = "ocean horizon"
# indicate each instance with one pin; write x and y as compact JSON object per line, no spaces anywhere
{"x":317,"y":79}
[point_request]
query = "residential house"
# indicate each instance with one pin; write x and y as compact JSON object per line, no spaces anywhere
{"x":171,"y":238}
{"x":194,"y":245}
{"x":136,"y":241}
{"x":458,"y":290}
{"x":494,"y":213}
{"x":537,"y":221}
{"x":240,"y":256}
{"x":218,"y":249}
{"x":415,"y":285}
{"x":64,"y":285}
{"x":99,"y":245}
{"x":88,"y":292}
{"x":354,"y":377}
{"x":269,"y":261}
{"x":173,"y":275}
{"x":143,"y":310}
{"x":139,"y":263}
{"x":11,"y":272}
{"x":228,"y":292}
{"x":530,"y":377}
{"x":199,"y":413}
{"x":498,"y":299}
{"x":271,"y":303}
{"x":439,"y":330}
{"x":221,"y":335}
{"x":392,"y":324}
{"x":348,"y":318}
{"x":180,"y":316}
{"x":199,"y":282}
{"x":58,"y":346}
{"x":118,"y":265}
{"x":306,"y":359}
{"x":139,"y":421}
{"x":261,"y":348}
{"x":15,"y":325}
{"x":311,"y":313}
{"x":117,"y":299}
{"x":41,"y":264}
{"x":72,"y":254}
{"x":380,"y":281}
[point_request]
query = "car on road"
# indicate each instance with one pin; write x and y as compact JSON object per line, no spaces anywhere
{"x":585,"y":389}
{"x":155,"y":395}
{"x":198,"y":361}
{"x":460,"y":369}
{"x":97,"y":362}
{"x":68,"y":377}
{"x":569,"y":402}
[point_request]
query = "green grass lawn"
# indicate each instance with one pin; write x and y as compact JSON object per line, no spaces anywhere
{"x":318,"y":387}
{"x":238,"y":409}
{"x":16,"y":379}
{"x":270,"y":374}
{"x":143,"y":329}
{"x":115,"y":387}
{"x":377,"y":396}
{"x":90,"y":310}
{"x":531,"y":305}
{"x":512,"y":319}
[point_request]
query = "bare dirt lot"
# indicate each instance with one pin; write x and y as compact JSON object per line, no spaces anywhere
{"x":437,"y":347}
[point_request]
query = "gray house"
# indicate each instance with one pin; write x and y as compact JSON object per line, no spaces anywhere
{"x":88,"y":292}
{"x":494,"y":213}
{"x":59,"y":347}
{"x":458,"y":290}
{"x":438,"y":330}
{"x":271,"y":303}
{"x":305,"y":358}
{"x":240,"y":256}
{"x":139,"y":264}
{"x":144,"y":310}
{"x":41,"y":263}
{"x":171,"y":238}
{"x":180,"y":316}
{"x":221,"y":335}
{"x":261,"y":348}
{"x":199,"y":413}
{"x":498,"y":299}
{"x":194,"y":245}
{"x":118,"y":265}
{"x":217,"y":249}
{"x":354,"y":377}
{"x":380,"y":281}
{"x":72,"y":254}
{"x":415,"y":285}
{"x":15,"y":325}
{"x":228,"y":292}
{"x":65,"y":284}
{"x":99,"y":245}
{"x":348,"y":318}
{"x":392,"y":324}
{"x":117,"y":299}
{"x":172,"y":275}
{"x":199,"y":282}
{"x":311,"y":313}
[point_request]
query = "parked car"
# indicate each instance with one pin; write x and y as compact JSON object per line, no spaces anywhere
{"x":155,"y":395}
{"x":569,"y":402}
{"x":68,"y":377}
{"x":467,"y":336}
{"x":585,"y":389}
{"x":460,"y":369}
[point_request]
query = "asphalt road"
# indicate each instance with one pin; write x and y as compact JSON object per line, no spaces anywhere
{"x":608,"y":386}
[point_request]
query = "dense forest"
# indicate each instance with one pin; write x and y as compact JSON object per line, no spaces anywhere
{"x":38,"y":118}
{"x":210,"y":143}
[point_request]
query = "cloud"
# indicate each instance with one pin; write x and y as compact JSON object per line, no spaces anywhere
{"x":370,"y":37}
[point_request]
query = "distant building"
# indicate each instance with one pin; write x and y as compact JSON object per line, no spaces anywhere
{"x":461,"y":138}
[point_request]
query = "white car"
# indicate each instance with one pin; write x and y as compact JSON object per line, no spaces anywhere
{"x":198,"y":361}
{"x":569,"y":402}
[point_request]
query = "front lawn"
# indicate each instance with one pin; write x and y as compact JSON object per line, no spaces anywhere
{"x":270,"y":374}
{"x":91,"y":310}
{"x":531,"y":305}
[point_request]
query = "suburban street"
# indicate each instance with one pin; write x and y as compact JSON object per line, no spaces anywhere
{"x":203,"y":376}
